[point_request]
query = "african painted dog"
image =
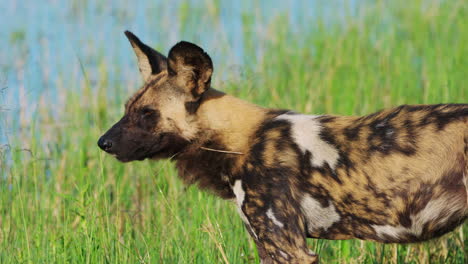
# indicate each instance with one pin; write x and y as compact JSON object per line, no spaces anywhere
{"x":398,"y":175}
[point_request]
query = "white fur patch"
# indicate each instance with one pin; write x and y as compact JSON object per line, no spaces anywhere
{"x":317,"y":216}
{"x":273,"y":218}
{"x":432,"y":212}
{"x":390,"y":231}
{"x":306,"y":133}
{"x":284,"y":255}
{"x":465,"y":181}
{"x":240,"y":196}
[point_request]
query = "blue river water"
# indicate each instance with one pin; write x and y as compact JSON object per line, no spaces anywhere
{"x":49,"y":45}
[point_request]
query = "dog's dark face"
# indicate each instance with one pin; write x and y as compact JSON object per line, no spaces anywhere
{"x":160,"y":118}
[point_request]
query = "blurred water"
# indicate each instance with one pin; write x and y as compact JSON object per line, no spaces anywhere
{"x":50,"y":45}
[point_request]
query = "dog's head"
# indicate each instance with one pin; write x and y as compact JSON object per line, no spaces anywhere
{"x":160,"y":119}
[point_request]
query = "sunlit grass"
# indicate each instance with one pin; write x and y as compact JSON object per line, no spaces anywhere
{"x":64,"y":201}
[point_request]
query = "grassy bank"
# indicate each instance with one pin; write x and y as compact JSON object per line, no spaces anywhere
{"x":64,"y":201}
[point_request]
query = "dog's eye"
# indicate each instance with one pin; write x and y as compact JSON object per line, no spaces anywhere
{"x":148,"y":118}
{"x":146,"y":112}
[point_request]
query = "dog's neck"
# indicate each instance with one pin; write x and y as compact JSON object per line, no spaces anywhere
{"x":227,"y":127}
{"x":231,"y":120}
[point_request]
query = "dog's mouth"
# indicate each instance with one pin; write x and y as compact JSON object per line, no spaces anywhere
{"x":155,"y":150}
{"x":140,"y":157}
{"x":166,"y":146}
{"x":122,"y":159}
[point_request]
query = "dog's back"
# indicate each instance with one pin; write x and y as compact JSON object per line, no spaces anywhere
{"x":394,"y":176}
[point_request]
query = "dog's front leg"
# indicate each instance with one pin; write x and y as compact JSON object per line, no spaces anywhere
{"x":279,"y":238}
{"x":276,"y":224}
{"x":264,"y":257}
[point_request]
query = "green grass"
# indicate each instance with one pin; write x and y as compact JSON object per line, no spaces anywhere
{"x":64,"y":201}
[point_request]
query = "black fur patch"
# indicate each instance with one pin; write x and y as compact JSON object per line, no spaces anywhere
{"x":207,"y":168}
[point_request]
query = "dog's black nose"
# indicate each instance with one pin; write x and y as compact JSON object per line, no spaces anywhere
{"x":105,"y":144}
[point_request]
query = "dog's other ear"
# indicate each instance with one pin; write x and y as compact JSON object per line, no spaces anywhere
{"x":149,"y":61}
{"x":191,"y":66}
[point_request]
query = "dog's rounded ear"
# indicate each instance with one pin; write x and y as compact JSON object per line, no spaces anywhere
{"x":149,"y":60}
{"x":191,"y":67}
